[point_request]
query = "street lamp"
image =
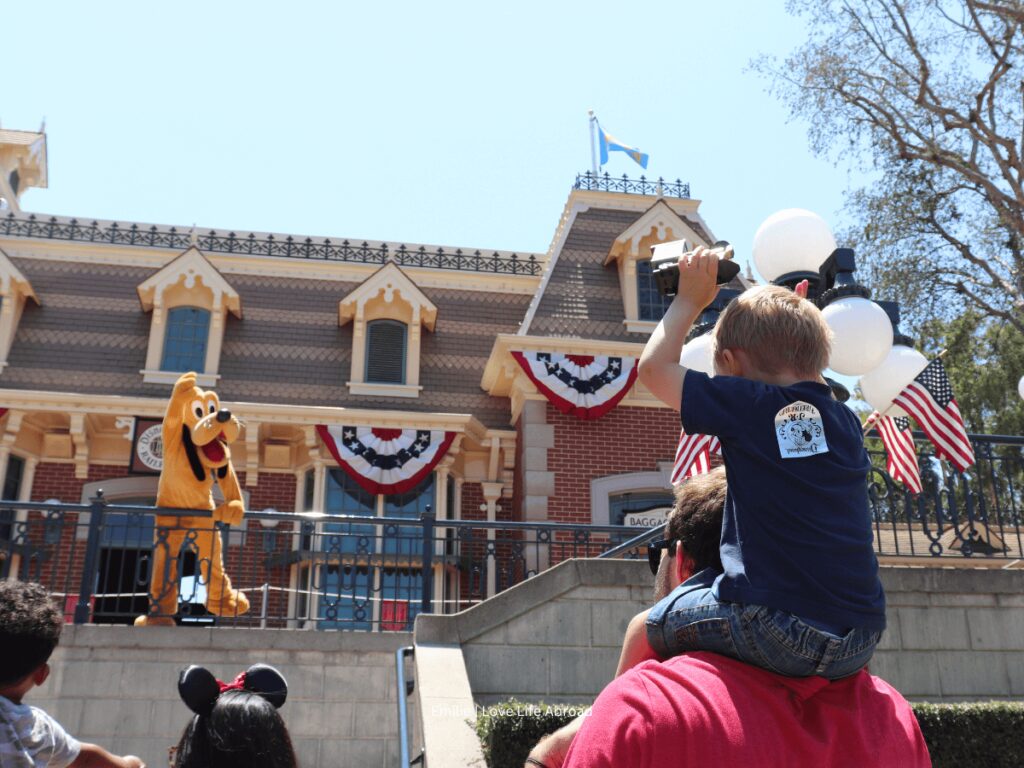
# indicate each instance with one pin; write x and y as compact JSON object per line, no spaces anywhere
{"x":880,"y":386}
{"x":1020,"y":387}
{"x":794,"y":245}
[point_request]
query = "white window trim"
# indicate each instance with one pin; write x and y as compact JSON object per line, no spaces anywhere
{"x":602,"y":488}
{"x":388,"y":294}
{"x":14,"y":290}
{"x":204,"y":287}
{"x":659,"y":224}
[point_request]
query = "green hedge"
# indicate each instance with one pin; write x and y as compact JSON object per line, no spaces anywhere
{"x":983,"y":735}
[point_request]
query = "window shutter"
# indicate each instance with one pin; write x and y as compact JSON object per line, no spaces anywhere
{"x":385,"y":352}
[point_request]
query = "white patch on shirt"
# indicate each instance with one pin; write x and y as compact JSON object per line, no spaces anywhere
{"x":800,"y":431}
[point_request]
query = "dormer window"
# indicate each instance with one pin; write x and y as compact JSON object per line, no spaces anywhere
{"x":388,"y":313}
{"x":190,"y":301}
{"x":385,"y":352}
{"x":631,"y":251}
{"x":188,"y":331}
{"x":14,"y":291}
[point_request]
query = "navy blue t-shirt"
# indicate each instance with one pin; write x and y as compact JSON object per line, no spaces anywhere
{"x":796,"y":534}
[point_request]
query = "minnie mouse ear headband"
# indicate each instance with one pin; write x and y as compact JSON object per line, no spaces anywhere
{"x":199,"y":689}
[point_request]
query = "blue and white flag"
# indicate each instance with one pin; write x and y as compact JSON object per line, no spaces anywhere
{"x":610,"y":144}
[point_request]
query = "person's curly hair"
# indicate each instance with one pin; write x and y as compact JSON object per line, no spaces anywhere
{"x":30,"y":626}
{"x":696,"y":518}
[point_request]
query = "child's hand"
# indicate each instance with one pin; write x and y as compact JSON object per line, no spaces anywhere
{"x":698,"y":275}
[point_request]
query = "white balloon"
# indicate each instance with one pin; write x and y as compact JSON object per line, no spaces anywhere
{"x":696,"y":355}
{"x":861,"y":335}
{"x":1020,"y":387}
{"x":881,"y":385}
{"x":791,"y":240}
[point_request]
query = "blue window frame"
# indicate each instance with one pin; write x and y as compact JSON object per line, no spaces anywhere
{"x":639,"y":501}
{"x":385,"y":352}
{"x":344,"y":496}
{"x":407,"y":540}
{"x":188,"y":330}
{"x":651,"y":305}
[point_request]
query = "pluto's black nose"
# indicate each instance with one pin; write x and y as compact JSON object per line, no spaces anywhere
{"x":223,"y":415}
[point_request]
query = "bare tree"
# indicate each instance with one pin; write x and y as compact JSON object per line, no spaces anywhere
{"x":927,"y":96}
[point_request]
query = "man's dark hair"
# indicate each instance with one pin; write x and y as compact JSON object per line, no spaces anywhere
{"x":696,"y":518}
{"x":30,"y":625}
{"x":243,"y":730}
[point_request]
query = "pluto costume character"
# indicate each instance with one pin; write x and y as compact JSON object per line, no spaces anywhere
{"x":196,"y":435}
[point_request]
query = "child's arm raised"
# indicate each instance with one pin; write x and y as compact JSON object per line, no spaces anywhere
{"x":659,"y":368}
{"x":93,"y":756}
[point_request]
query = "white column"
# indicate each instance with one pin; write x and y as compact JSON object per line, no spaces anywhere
{"x":492,"y":492}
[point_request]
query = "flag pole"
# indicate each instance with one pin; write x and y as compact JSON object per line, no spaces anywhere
{"x":593,"y":140}
{"x":870,"y":423}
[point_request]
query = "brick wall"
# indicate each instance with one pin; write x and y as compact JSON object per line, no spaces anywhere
{"x":627,"y":439}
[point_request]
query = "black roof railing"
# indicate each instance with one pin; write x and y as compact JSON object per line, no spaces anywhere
{"x":252,"y":244}
{"x":626,"y":185}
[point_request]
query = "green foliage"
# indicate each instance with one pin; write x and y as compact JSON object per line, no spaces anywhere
{"x":923,"y":98}
{"x":989,"y":734}
{"x":509,"y":730}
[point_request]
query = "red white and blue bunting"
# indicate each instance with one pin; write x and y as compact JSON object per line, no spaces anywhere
{"x":385,"y":461}
{"x":587,"y":386}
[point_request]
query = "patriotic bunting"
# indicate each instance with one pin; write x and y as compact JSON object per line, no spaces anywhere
{"x":693,"y":456}
{"x":900,"y":454}
{"x":587,"y":386}
{"x":386,"y":461}
{"x":929,"y":399}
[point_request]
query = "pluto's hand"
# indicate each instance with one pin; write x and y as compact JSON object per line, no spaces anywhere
{"x":230,"y":512}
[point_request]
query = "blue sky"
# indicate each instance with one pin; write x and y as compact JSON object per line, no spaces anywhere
{"x":457,"y":124}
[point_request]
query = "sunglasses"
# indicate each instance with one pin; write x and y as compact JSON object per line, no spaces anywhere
{"x":654,"y":552}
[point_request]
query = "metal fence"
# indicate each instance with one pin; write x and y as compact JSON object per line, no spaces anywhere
{"x":643,"y":186}
{"x":110,"y":563}
{"x":252,"y":244}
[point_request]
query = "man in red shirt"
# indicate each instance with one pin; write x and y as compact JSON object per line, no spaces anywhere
{"x":705,"y":709}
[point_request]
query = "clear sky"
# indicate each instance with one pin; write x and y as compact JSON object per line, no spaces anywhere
{"x":456,"y":124}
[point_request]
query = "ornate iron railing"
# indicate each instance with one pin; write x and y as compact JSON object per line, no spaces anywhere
{"x":286,"y":246}
{"x":624,"y":184}
{"x":976,"y":514}
{"x":111,"y":563}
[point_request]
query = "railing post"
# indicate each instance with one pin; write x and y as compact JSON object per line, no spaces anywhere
{"x":427,"y":572}
{"x":92,"y":553}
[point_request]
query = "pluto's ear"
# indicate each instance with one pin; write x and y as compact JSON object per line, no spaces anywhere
{"x":193,"y":455}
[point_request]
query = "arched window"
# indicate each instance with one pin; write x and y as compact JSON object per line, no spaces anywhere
{"x":385,"y":352}
{"x":188,"y":330}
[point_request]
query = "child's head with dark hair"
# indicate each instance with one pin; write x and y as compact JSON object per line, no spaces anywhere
{"x":30,"y":626}
{"x":243,"y":730}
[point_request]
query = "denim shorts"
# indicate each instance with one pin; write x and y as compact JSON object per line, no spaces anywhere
{"x":695,"y":619}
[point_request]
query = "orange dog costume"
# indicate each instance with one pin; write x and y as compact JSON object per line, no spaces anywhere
{"x":197,"y":433}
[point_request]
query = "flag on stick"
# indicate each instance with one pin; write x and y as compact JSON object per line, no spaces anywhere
{"x":900,"y":455}
{"x":929,"y":399}
{"x":610,"y":144}
{"x":693,"y":456}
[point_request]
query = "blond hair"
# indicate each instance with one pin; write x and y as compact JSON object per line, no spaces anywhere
{"x":777,"y":330}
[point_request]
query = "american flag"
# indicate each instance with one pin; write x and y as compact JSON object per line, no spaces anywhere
{"x":900,"y":455}
{"x":693,"y":456}
{"x":929,"y":399}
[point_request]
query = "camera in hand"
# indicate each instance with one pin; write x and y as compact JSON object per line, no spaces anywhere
{"x":665,"y":264}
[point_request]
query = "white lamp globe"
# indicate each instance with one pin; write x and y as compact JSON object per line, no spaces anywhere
{"x":861,"y":335}
{"x":881,"y":385}
{"x":696,"y":355}
{"x":1020,"y":387}
{"x":792,"y":240}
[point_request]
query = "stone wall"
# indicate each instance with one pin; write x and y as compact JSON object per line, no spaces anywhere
{"x":954,"y":633}
{"x":117,"y":687}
